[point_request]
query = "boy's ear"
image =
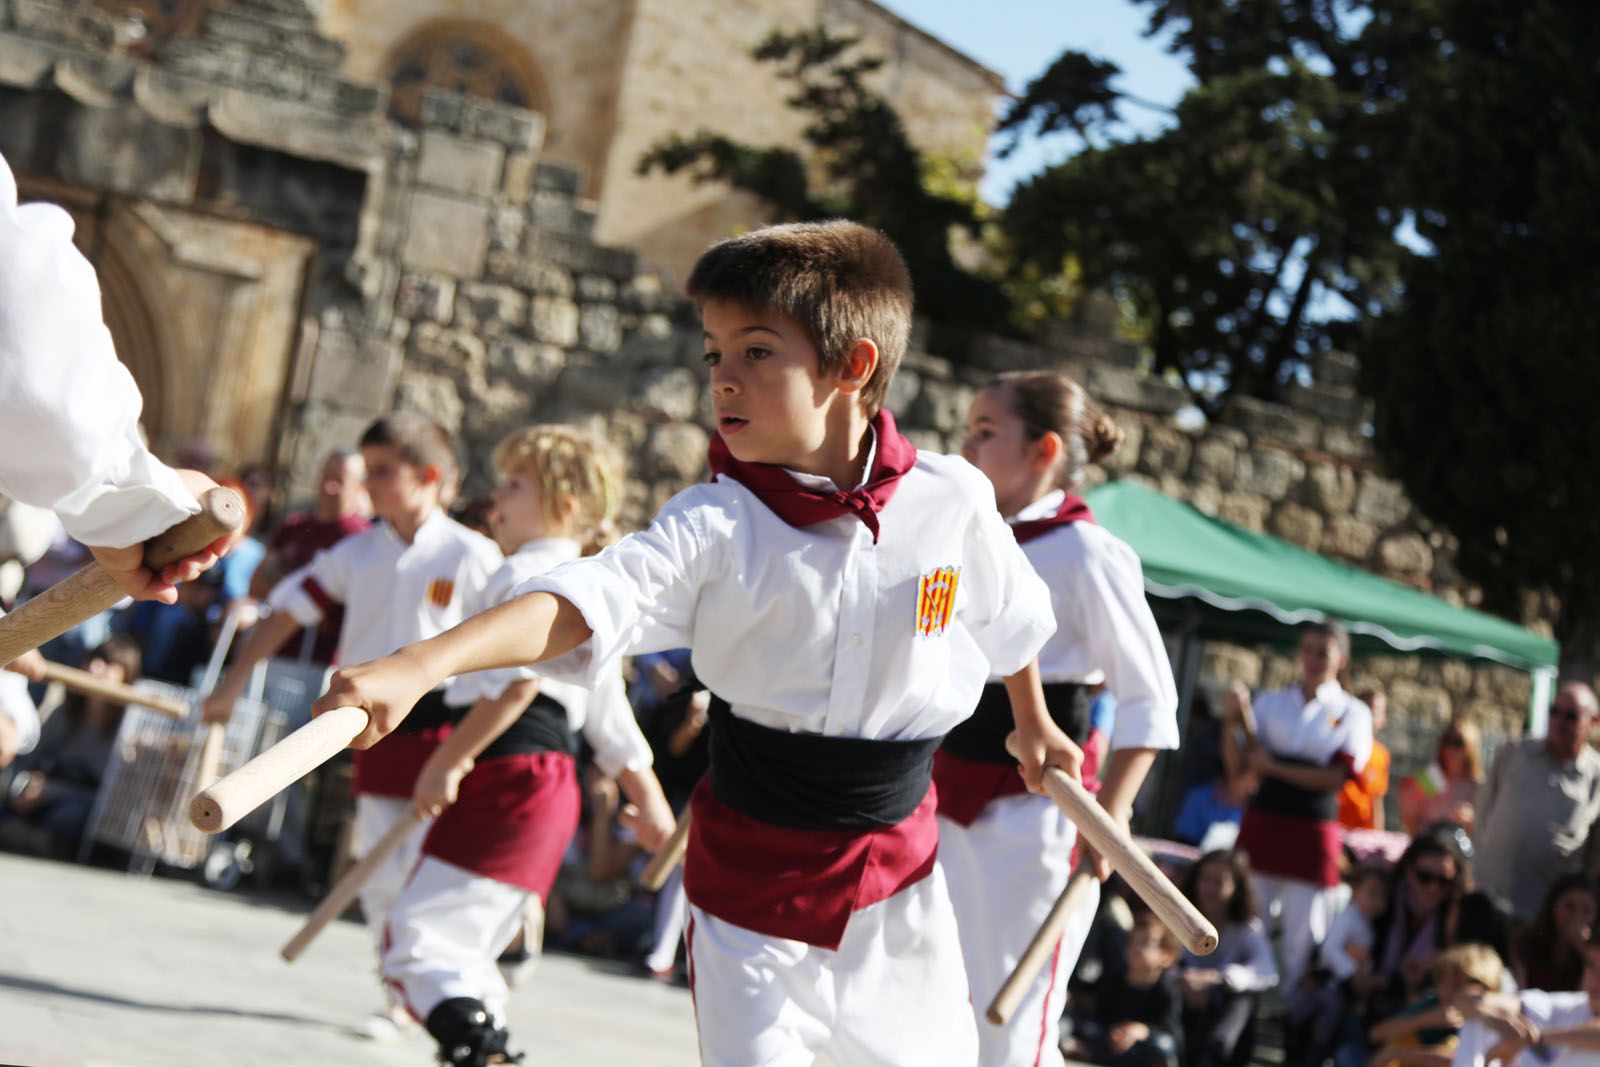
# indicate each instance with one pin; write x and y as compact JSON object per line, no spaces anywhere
{"x":858,"y":366}
{"x":431,"y":474}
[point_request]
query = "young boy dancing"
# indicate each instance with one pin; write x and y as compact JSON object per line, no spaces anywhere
{"x":847,"y":596}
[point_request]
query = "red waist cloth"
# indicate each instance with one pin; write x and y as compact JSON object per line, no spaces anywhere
{"x":800,"y":884}
{"x":390,"y":767}
{"x":512,"y":820}
{"x":1291,"y":846}
{"x":967,"y":786}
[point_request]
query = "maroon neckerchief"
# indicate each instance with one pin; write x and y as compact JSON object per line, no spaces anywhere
{"x":1072,"y":509}
{"x":797,"y":505}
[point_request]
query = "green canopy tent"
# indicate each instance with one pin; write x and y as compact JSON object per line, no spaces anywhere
{"x":1208,"y":579}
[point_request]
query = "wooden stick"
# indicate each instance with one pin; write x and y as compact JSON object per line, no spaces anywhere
{"x":236,"y":795}
{"x":340,"y":896}
{"x":94,"y":685}
{"x":91,"y":590}
{"x":671,"y":854}
{"x":1129,"y":860}
{"x":210,"y":754}
{"x":1016,"y":985}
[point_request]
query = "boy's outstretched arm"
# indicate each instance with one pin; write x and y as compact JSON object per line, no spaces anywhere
{"x":529,"y":629}
{"x":1040,"y":742}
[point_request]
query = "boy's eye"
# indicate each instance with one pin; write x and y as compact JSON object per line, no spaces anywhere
{"x":712,"y":358}
{"x":757,"y":353}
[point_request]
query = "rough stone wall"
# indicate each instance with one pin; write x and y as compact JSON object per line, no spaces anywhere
{"x":621,"y":75}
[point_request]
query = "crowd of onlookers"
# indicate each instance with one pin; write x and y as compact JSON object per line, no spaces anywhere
{"x":1476,"y":943}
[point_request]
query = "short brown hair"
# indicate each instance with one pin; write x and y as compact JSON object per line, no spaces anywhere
{"x":419,"y":440}
{"x":569,"y":464}
{"x":1048,"y":402}
{"x":838,"y":280}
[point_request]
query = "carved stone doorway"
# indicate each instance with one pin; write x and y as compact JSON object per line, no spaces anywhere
{"x":205,"y":312}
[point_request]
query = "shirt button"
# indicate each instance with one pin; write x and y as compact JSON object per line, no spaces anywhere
{"x":855,"y":640}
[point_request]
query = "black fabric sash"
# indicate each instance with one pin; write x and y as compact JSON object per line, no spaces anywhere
{"x":982,"y":737}
{"x":431,"y":711}
{"x":1277,"y":797}
{"x":542,"y":728}
{"x":813,"y":782}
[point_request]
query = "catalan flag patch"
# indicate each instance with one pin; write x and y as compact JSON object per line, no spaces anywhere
{"x":440,"y":590}
{"x":936,"y":600}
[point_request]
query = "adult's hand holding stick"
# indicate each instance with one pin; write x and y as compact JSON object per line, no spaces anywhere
{"x":90,"y":591}
{"x":1073,"y":896}
{"x":341,"y":895}
{"x":1128,"y":859}
{"x":236,"y":795}
{"x":671,"y":854}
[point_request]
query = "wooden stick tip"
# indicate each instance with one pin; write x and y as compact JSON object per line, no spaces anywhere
{"x":997,"y":1018}
{"x":205,"y":813}
{"x":223,"y":506}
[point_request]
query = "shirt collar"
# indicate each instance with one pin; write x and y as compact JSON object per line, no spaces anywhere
{"x":1042,"y":508}
{"x":556,"y":549}
{"x":824,"y":483}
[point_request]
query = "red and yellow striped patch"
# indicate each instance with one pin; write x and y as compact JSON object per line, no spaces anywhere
{"x":440,"y":590}
{"x":936,"y":600}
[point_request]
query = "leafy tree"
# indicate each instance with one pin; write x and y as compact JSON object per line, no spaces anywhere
{"x":1485,"y":377}
{"x":1250,"y":234}
{"x":860,"y":164}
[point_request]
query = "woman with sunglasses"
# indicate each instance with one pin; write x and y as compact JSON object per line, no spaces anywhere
{"x":1428,"y":884}
{"x":1444,"y":792}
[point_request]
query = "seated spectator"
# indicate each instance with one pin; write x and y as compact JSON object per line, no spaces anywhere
{"x":1134,"y":1021}
{"x":1534,"y":1028}
{"x":1361,"y":799}
{"x":676,"y":730}
{"x":1550,"y":953}
{"x":50,"y":803}
{"x":1221,"y":991}
{"x":1212,"y":804}
{"x":175,"y":639}
{"x":595,"y":908}
{"x":1338,"y":984}
{"x":1444,"y":791}
{"x":1423,"y":1034}
{"x":1416,"y":925}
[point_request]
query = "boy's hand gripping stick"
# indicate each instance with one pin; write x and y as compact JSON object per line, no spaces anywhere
{"x":1128,"y":859}
{"x":671,"y":854}
{"x":91,"y":590}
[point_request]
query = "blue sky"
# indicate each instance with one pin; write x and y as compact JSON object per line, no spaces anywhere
{"x":1019,"y":39}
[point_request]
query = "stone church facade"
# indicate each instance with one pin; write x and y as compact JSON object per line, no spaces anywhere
{"x":282,"y":260}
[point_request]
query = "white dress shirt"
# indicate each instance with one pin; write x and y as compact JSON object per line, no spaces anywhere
{"x":1332,"y":724}
{"x":394,"y":594}
{"x":69,"y":410}
{"x":604,"y":715}
{"x":1104,"y":628}
{"x":820,"y":630}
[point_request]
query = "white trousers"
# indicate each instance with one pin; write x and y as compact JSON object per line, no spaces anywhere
{"x":446,"y":931}
{"x":893,"y":993}
{"x":1005,"y":871}
{"x":374,"y":816}
{"x":1305,"y":911}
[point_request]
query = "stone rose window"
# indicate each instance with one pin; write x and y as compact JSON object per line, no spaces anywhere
{"x":463,"y":56}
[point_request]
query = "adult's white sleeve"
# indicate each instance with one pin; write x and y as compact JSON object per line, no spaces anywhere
{"x":69,"y":438}
{"x":1000,"y":600}
{"x":612,"y":730}
{"x":1108,"y":601}
{"x":638,"y":595}
{"x":17,"y":705}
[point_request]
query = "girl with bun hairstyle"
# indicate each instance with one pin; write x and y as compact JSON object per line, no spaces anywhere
{"x":1007,"y":853}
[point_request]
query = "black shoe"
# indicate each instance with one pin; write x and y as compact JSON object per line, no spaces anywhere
{"x":467,"y":1034}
